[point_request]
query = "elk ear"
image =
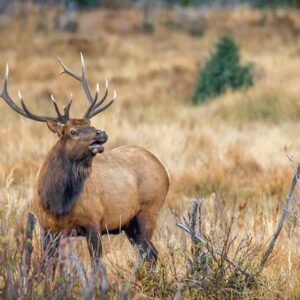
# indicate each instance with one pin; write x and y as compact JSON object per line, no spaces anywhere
{"x":55,"y":127}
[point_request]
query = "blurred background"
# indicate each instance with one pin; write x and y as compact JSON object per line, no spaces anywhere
{"x":211,"y":87}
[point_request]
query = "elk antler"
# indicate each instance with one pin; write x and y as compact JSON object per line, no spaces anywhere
{"x":24,"y":111}
{"x":94,"y":106}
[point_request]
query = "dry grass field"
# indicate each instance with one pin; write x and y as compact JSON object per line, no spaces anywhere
{"x":233,"y":151}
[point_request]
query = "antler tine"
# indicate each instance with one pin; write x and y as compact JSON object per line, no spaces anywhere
{"x":56,"y":107}
{"x":68,"y":71}
{"x":24,"y":112}
{"x":97,"y":92}
{"x":4,"y":94}
{"x":66,"y":115}
{"x":33,"y":116}
{"x":100,"y":109}
{"x":82,"y":78}
{"x":83,"y":68}
{"x":92,"y":105}
{"x":104,"y":96}
{"x":5,"y":82}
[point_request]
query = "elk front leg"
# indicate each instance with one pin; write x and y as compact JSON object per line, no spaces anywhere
{"x":93,"y":239}
{"x":50,"y":242}
{"x":31,"y":221}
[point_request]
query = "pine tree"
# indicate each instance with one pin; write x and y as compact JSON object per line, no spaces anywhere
{"x":222,"y":71}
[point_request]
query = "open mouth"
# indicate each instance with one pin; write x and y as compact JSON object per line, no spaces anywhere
{"x":97,"y":147}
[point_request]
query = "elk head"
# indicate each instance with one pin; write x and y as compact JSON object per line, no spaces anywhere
{"x":79,"y":138}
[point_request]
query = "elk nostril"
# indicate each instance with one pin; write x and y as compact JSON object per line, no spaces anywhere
{"x":104,"y":135}
{"x":98,"y":133}
{"x":101,"y":135}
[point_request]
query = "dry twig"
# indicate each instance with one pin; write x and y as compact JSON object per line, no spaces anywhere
{"x":179,"y":291}
{"x":200,"y":239}
{"x":282,"y":218}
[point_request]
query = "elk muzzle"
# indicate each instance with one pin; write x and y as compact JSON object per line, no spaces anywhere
{"x":97,"y":145}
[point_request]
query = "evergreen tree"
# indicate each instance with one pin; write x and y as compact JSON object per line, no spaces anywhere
{"x":222,"y":71}
{"x":87,"y":3}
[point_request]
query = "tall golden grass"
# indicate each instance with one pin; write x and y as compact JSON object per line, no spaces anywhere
{"x":232,"y":150}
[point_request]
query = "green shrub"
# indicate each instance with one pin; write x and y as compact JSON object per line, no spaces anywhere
{"x":87,"y":3}
{"x":222,"y":71}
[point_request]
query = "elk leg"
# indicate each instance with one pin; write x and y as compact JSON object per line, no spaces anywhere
{"x":139,"y":238}
{"x":94,"y":242}
{"x":50,"y":242}
{"x":31,"y":221}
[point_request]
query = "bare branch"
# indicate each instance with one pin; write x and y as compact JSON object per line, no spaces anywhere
{"x":200,"y":239}
{"x":282,"y":218}
{"x":179,"y":291}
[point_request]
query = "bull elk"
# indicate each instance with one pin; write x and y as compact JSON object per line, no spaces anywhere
{"x":75,"y":189}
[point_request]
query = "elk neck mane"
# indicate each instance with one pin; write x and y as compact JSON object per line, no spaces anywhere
{"x":61,"y":180}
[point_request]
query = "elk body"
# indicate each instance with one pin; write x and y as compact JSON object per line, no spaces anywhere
{"x":80,"y":187}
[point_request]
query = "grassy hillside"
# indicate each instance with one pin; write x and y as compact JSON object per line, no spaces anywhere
{"x":232,"y":151}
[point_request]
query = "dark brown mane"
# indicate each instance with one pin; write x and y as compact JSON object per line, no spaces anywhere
{"x":62,"y":181}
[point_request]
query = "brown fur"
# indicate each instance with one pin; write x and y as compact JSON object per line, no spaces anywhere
{"x":119,"y":186}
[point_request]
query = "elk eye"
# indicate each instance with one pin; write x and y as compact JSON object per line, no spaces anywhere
{"x":73,"y":133}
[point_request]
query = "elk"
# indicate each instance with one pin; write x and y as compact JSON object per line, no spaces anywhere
{"x":80,"y":187}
